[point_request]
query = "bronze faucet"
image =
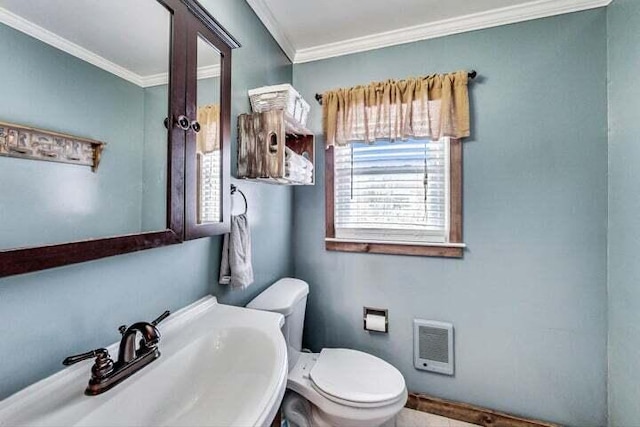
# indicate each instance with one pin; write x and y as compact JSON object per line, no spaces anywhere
{"x":106,"y":373}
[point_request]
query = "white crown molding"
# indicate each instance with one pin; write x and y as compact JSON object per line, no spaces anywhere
{"x":462,"y":24}
{"x":207,"y":72}
{"x":19,"y":23}
{"x":46,"y":36}
{"x":155,"y":80}
{"x":265,"y":14}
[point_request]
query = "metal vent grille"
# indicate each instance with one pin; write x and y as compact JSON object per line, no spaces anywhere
{"x":434,"y":344}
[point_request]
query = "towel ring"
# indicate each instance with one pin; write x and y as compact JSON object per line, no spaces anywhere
{"x":235,"y":189}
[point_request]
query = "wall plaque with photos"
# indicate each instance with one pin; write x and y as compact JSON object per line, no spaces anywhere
{"x":35,"y":144}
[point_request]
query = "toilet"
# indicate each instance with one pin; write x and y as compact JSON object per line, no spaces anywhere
{"x":339,"y":387}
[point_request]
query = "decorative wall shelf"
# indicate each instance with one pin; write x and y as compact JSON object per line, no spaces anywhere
{"x":262,"y":142}
{"x":36,"y":144}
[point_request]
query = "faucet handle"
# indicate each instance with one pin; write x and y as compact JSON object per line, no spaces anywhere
{"x":122,"y":329}
{"x":161,"y":318}
{"x":101,"y":353}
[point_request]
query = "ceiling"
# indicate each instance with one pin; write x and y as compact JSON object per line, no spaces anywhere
{"x":111,"y":35}
{"x":108,"y":34}
{"x":309,"y":30}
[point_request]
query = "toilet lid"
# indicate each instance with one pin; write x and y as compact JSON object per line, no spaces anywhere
{"x":356,"y":376}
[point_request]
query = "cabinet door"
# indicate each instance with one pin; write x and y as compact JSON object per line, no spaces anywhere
{"x":207,"y":161}
{"x":177,"y":136}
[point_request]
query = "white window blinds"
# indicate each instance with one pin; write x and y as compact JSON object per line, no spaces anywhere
{"x":392,"y":191}
{"x":209,"y":194}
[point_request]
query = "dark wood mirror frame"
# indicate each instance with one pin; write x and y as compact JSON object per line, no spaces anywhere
{"x":186,"y":15}
{"x":194,"y":230}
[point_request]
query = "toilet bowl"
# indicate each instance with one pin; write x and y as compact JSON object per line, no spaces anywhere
{"x":346,"y":388}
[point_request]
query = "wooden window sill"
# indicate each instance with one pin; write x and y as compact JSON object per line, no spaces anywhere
{"x":443,"y":250}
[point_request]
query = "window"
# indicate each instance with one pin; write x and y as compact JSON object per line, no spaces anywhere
{"x":395,"y":197}
{"x":209,"y":197}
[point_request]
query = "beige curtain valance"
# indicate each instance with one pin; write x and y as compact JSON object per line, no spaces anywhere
{"x":208,"y":139}
{"x":427,"y":107}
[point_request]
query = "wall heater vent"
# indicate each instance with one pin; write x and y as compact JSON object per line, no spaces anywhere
{"x":433,"y":346}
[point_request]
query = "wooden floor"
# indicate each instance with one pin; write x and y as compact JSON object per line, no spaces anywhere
{"x":412,"y":418}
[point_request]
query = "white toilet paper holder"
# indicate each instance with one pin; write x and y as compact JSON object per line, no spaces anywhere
{"x":375,"y":312}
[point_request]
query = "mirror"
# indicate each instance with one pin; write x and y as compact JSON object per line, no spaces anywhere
{"x":209,"y":148}
{"x":98,"y":71}
{"x":98,"y":126}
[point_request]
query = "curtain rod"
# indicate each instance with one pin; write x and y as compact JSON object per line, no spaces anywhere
{"x":472,"y":75}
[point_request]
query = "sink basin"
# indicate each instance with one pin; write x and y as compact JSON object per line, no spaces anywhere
{"x":220,"y":366}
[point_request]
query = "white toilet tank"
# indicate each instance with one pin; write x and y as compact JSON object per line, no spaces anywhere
{"x":288,"y":297}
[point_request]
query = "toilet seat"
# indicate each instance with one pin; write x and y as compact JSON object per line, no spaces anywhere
{"x":354,"y":378}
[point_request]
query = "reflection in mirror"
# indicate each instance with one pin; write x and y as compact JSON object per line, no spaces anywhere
{"x":100,"y":73}
{"x":208,"y":139}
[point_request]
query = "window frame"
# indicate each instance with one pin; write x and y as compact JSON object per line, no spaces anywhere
{"x":454,"y":248}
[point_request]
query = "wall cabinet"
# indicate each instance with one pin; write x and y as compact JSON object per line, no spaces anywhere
{"x":167,"y":100}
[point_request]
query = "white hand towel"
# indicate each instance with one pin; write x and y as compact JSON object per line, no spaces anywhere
{"x":235,"y":267}
{"x":293,"y":159}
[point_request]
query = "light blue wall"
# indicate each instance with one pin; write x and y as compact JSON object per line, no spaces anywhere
{"x":154,"y":162}
{"x":43,"y":202}
{"x":624,"y":206}
{"x":528,"y":300}
{"x":48,"y":315}
{"x":259,"y":62}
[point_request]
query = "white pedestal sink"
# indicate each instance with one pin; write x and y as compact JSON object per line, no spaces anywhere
{"x":220,"y":366}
